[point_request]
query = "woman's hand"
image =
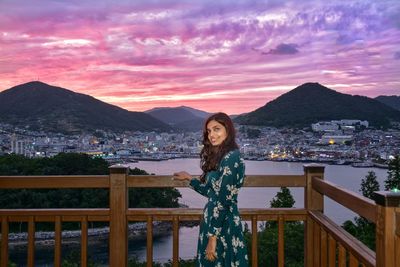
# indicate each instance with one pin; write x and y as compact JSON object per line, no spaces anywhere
{"x":211,"y":254}
{"x":181,"y":176}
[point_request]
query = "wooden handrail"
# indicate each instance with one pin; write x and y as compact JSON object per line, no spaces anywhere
{"x":192,"y":214}
{"x":355,"y":202}
{"x":54,"y":212}
{"x":155,"y":181}
{"x":55,"y":182}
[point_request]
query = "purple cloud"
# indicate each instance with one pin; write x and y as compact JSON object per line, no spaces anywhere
{"x":283,"y":49}
{"x":185,"y":52}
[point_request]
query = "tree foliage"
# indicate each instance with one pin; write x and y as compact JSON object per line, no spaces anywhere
{"x":134,"y":262}
{"x":268,"y":236}
{"x":393,"y":179}
{"x":283,"y":199}
{"x":369,"y":184}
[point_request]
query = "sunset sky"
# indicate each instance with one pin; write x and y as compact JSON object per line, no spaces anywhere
{"x":231,"y":56}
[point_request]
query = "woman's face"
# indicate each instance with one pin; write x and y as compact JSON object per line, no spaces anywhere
{"x":216,"y":132}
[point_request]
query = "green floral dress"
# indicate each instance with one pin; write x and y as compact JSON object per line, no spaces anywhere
{"x":221,"y":215}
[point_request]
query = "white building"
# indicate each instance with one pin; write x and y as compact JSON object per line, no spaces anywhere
{"x":352,"y":123}
{"x":19,"y":147}
{"x":324,"y":126}
{"x":334,"y":125}
{"x":334,"y":139}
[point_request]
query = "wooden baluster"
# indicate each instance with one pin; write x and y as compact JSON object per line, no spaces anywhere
{"x":353,"y":261}
{"x":254,"y":256}
{"x":31,"y":241}
{"x":281,"y":242}
{"x":4,"y":241}
{"x":149,"y":245}
{"x":324,"y":249}
{"x":317,"y":244}
{"x":57,"y":242}
{"x":342,"y":256}
{"x":175,"y":251}
{"x":308,"y":242}
{"x":84,"y":241}
{"x":332,"y":251}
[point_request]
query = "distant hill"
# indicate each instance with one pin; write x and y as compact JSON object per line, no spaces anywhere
{"x":312,"y":102}
{"x":183,"y":118}
{"x":198,"y":113}
{"x":392,"y":101}
{"x":39,"y":106}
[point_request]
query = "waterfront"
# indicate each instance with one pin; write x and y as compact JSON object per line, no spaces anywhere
{"x":345,"y":176}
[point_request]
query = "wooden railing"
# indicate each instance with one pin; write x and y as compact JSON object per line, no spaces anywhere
{"x":326,"y":244}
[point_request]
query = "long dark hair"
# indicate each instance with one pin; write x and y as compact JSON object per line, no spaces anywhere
{"x":210,"y":155}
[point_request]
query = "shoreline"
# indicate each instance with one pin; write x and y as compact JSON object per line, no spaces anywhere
{"x":352,"y":162}
{"x":70,"y":238}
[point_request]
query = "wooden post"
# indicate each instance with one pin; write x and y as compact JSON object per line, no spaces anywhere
{"x":387,"y":228}
{"x":312,"y":201}
{"x":118,"y":222}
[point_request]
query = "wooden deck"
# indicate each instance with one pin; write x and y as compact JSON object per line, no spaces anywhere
{"x":326,"y":243}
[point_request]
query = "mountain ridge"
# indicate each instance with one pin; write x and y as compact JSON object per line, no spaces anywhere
{"x":67,"y":111}
{"x":312,"y":102}
{"x":40,"y":106}
{"x":181,"y":118}
{"x":390,"y":100}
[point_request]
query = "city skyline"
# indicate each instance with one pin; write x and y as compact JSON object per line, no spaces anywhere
{"x":201,"y":54}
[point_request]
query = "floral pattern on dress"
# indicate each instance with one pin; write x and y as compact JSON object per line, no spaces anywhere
{"x":221,"y":215}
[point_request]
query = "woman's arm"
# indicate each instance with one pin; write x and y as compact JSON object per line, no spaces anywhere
{"x":199,"y":187}
{"x":195,"y":183}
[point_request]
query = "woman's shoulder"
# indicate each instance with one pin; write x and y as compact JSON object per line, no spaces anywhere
{"x":233,"y":154}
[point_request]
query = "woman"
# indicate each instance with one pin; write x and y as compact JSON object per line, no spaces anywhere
{"x":221,"y":241}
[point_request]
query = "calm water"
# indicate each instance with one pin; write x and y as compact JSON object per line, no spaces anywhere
{"x":345,"y":176}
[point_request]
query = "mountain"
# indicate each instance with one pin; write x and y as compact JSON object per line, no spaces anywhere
{"x":39,"y":106}
{"x":198,"y":113}
{"x":392,"y":101}
{"x":184,"y":118}
{"x":312,"y":102}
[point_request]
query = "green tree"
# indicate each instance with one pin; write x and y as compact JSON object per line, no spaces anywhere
{"x":134,"y":262}
{"x":369,"y":184}
{"x":283,"y":199}
{"x":73,"y":259}
{"x":393,"y":179}
{"x":268,"y":236}
{"x":361,"y":228}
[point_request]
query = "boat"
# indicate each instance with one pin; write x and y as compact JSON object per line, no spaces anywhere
{"x":362,"y":164}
